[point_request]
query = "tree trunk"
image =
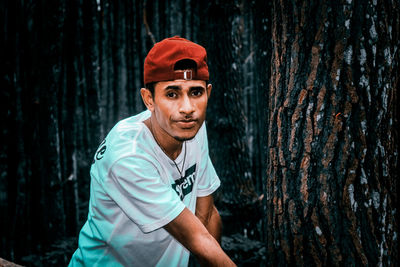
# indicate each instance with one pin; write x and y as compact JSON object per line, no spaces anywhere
{"x":48,"y":135}
{"x":332,"y":149}
{"x":227,"y":136}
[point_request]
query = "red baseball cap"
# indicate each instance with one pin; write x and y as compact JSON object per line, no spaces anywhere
{"x":160,"y":61}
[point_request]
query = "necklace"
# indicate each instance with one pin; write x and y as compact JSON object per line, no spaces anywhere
{"x":176,"y":165}
{"x":183,"y":165}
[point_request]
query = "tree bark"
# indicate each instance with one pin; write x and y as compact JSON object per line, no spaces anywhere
{"x":4,"y":263}
{"x":332,"y":149}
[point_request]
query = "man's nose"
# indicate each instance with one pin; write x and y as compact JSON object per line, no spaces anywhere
{"x":186,"y":106}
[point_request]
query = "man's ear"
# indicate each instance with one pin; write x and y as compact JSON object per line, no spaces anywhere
{"x":209,"y":87}
{"x":147,"y":98}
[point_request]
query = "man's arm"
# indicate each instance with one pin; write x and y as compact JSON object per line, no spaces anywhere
{"x":209,"y":216}
{"x":192,"y":234}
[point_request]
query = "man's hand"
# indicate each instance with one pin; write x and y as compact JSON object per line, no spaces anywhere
{"x":192,"y":234}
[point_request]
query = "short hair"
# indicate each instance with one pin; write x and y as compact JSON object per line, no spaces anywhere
{"x":183,"y":64}
{"x":150,"y":87}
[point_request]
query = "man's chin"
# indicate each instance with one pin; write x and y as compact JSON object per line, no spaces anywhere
{"x":183,"y":138}
{"x":186,"y":134}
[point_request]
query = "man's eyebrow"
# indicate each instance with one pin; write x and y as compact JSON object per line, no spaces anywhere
{"x":197,"y":88}
{"x":173,"y":87}
{"x":177,"y":87}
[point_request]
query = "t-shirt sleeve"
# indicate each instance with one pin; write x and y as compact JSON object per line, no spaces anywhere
{"x":208,"y":178}
{"x":136,"y":187}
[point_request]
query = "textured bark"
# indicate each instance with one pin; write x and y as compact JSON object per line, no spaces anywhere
{"x":332,"y":149}
{"x":4,"y":263}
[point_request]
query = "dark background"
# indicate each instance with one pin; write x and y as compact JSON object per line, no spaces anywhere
{"x":302,"y":122}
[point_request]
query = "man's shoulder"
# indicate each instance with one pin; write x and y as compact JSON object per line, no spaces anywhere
{"x":127,"y":130}
{"x":132,"y":123}
{"x":126,"y":139}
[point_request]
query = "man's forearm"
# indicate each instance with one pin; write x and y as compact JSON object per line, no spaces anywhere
{"x":214,"y":225}
{"x":215,"y":255}
{"x":192,"y":233}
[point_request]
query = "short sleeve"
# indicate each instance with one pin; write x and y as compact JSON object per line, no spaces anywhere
{"x":208,"y":178}
{"x":137,"y":188}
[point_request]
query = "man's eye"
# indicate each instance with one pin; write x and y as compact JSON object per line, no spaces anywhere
{"x":197,"y":93}
{"x":171,"y":94}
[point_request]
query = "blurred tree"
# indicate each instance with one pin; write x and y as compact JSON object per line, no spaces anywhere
{"x":226,"y":119}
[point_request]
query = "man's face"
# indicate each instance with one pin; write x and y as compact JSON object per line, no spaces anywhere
{"x":179,"y":107}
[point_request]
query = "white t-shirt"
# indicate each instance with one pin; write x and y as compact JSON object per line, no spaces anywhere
{"x":136,"y":190}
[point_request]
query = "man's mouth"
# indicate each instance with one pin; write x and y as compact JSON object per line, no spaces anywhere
{"x":186,"y":124}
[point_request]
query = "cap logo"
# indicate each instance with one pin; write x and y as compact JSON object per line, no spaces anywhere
{"x":187,"y":75}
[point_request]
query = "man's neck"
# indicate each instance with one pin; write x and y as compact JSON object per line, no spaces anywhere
{"x":171,"y":147}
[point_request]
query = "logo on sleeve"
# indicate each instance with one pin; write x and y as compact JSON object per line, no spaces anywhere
{"x":184,"y":186}
{"x":100,"y":151}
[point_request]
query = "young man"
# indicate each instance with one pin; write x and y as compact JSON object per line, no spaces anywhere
{"x":152,"y":179}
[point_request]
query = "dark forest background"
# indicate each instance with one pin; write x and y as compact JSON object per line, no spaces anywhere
{"x":303,"y":122}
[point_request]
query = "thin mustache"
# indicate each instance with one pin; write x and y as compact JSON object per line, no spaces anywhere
{"x":185,"y":120}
